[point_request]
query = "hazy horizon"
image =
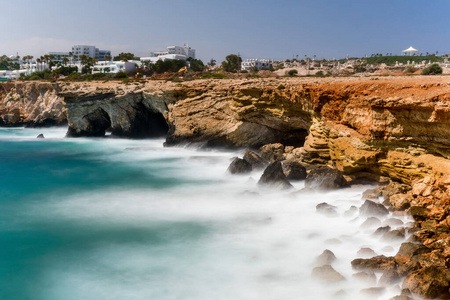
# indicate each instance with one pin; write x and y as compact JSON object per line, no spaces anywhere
{"x":273,"y":30}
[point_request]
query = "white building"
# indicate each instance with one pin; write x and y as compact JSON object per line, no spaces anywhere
{"x":183,"y":53}
{"x":90,"y":51}
{"x":260,"y":64}
{"x":58,"y":56}
{"x":114,"y":67}
{"x":154,"y":59}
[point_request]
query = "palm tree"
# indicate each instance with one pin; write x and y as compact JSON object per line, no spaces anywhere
{"x":65,"y":60}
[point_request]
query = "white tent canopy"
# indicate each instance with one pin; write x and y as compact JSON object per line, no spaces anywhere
{"x":410,"y":49}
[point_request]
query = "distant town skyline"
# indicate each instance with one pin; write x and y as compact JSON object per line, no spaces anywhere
{"x":255,"y":29}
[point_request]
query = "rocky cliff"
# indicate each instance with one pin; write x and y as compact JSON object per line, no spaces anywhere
{"x":367,"y":128}
{"x":395,"y":127}
{"x":32,"y":104}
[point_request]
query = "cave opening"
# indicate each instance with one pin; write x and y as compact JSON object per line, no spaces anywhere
{"x":144,"y":123}
{"x":294,"y":137}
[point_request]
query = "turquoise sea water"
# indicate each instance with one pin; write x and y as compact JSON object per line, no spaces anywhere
{"x":129,"y":219}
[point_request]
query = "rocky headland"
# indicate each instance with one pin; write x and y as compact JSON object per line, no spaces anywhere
{"x":395,"y":131}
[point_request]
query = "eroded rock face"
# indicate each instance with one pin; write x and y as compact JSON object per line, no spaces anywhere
{"x":129,"y":114}
{"x":32,"y":103}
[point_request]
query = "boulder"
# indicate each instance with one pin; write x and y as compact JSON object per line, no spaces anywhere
{"x":239,"y":166}
{"x":393,"y":235}
{"x":380,"y":262}
{"x":370,"y":194}
{"x":389,"y":277}
{"x":408,"y":249}
{"x":419,"y":213}
{"x":429,"y":282}
{"x":326,"y":274}
{"x":255,"y":160}
{"x":382,"y":230}
{"x":293,"y":170}
{"x":372,"y":209}
{"x":273,"y":176}
{"x":393,"y":222}
{"x":272,"y":152}
{"x":326,"y":258}
{"x":400,"y":201}
{"x":40,"y":136}
{"x":393,"y":188}
{"x":324,"y":179}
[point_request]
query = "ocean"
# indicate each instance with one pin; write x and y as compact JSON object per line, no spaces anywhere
{"x":109,"y":218}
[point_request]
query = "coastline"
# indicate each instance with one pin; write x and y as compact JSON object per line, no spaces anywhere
{"x":367,"y":128}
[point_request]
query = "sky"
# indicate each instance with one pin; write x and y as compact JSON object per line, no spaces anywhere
{"x":279,"y":30}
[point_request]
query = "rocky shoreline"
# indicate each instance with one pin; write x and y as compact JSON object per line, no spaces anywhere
{"x":390,"y":130}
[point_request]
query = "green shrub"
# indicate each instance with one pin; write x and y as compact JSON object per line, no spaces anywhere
{"x":320,"y":74}
{"x":121,"y":75}
{"x":432,"y":70}
{"x":409,"y":69}
{"x":281,"y":87}
{"x":292,"y":72}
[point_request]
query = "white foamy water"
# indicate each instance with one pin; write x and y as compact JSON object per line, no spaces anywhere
{"x":212,"y":236}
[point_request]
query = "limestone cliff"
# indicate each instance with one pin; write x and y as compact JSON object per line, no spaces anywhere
{"x":31,"y":103}
{"x":396,"y":127}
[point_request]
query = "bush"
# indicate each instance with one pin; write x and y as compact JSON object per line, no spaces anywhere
{"x":360,"y":69}
{"x":121,"y":75}
{"x":320,"y":74}
{"x":292,"y":72}
{"x":409,"y":70}
{"x":281,"y":87}
{"x":67,"y":70}
{"x":432,"y":70}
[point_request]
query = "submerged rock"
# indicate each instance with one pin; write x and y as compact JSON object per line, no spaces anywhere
{"x":382,"y":230}
{"x":389,"y":277}
{"x":367,"y":277}
{"x":273,"y":176}
{"x":324,"y":179}
{"x":239,"y":166}
{"x":370,"y":222}
{"x":326,"y":274}
{"x":40,"y":136}
{"x":373,"y":291}
{"x":393,"y":235}
{"x":326,"y":258}
{"x":366,"y":253}
{"x":370,"y":208}
{"x":326,"y":209}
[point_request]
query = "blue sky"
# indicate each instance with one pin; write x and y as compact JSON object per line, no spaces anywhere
{"x":256,"y":29}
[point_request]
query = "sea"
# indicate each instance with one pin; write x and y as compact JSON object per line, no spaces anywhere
{"x":109,"y":218}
